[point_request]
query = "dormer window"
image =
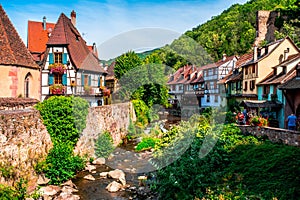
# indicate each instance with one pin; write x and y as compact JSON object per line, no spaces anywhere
{"x":284,"y":69}
{"x":298,"y":72}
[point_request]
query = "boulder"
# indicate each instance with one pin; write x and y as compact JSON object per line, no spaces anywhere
{"x":117,"y":174}
{"x":43,"y":180}
{"x":89,"y":177}
{"x":99,"y":161}
{"x":90,"y":168}
{"x":103,"y":174}
{"x":114,"y":187}
{"x":50,"y":190}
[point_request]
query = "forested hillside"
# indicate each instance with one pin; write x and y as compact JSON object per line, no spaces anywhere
{"x":231,"y":32}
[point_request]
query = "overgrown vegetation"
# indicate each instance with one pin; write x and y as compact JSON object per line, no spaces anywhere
{"x":147,"y":143}
{"x":104,"y":145}
{"x":64,"y":118}
{"x":16,"y":192}
{"x":237,"y":167}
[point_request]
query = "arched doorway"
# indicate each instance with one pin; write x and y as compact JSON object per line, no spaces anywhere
{"x":27,"y":84}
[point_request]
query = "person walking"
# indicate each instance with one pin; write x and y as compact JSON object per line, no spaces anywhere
{"x":292,"y":119}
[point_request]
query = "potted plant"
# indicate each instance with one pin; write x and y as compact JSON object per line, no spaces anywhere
{"x":87,"y":89}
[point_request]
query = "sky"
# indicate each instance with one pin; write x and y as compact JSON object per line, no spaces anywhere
{"x":109,"y":23}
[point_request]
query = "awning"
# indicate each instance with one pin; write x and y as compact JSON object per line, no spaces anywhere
{"x":261,"y":104}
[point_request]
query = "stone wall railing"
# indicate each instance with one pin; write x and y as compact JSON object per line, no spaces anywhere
{"x":113,"y":118}
{"x":276,"y":135}
{"x":17,"y":103}
{"x":24,"y":141}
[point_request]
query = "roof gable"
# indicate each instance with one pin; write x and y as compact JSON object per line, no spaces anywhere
{"x":65,"y":34}
{"x":12,"y":49}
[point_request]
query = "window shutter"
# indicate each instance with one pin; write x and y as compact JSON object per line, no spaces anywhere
{"x":64,"y":58}
{"x":51,"y":60}
{"x":90,"y":80}
{"x":64,"y":79}
{"x":50,"y":79}
{"x":82,"y":79}
{"x":99,"y":81}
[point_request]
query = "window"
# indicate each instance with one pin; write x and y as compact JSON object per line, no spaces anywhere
{"x":27,"y":85}
{"x":207,"y":98}
{"x":253,"y":69}
{"x":57,"y":57}
{"x":266,"y":89}
{"x":246,"y":71}
{"x":57,"y":78}
{"x":86,"y":79}
{"x":245,"y":86}
{"x":252,"y":85}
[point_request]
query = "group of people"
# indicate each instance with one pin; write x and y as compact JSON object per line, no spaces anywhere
{"x":243,"y":117}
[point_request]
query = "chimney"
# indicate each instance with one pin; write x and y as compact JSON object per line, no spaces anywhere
{"x":255,"y":52}
{"x":286,"y":53}
{"x":44,"y":23}
{"x":73,"y":18}
{"x":224,"y":57}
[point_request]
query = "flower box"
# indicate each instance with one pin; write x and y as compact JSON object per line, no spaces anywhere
{"x":57,"y":89}
{"x":57,"y":68}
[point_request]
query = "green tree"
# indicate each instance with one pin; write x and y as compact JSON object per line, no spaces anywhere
{"x":126,"y":62}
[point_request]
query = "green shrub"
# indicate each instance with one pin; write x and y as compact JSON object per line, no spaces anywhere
{"x":146,"y":143}
{"x":18,"y":192}
{"x":238,"y":166}
{"x":62,"y":163}
{"x":142,"y":112}
{"x":104,"y":145}
{"x":64,"y":117}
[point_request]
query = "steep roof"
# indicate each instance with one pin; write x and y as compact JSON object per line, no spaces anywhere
{"x":281,"y":77}
{"x":37,"y":36}
{"x":275,"y":45}
{"x":65,"y":34}
{"x":12,"y":49}
{"x":218,"y":63}
{"x":237,"y":76}
{"x":110,"y":71}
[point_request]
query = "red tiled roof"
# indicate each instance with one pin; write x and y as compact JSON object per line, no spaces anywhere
{"x":218,"y":63}
{"x":37,"y":36}
{"x":12,"y":49}
{"x":65,"y":33}
{"x":244,"y":59}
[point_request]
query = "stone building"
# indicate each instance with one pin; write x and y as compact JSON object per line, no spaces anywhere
{"x":20,"y":75}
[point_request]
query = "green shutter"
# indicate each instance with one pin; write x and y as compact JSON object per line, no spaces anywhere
{"x":82,"y":79}
{"x":99,"y":81}
{"x":51,"y":59}
{"x":50,"y":79}
{"x":90,"y":80}
{"x":64,"y":79}
{"x":64,"y":58}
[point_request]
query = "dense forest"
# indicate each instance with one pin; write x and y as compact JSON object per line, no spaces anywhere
{"x":231,"y":32}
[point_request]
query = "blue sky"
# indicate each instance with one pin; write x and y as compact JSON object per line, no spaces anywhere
{"x":100,"y":21}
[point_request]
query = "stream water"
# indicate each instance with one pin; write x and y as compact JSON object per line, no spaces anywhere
{"x":125,"y":158}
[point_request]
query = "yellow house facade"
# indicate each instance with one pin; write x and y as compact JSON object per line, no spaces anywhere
{"x":264,"y":59}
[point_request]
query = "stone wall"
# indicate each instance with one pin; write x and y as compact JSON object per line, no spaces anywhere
{"x":24,"y":141}
{"x":113,"y":118}
{"x":274,"y":134}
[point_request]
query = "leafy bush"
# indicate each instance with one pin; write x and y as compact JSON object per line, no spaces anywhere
{"x":104,"y":145}
{"x":142,"y":112}
{"x":238,"y":166}
{"x":18,"y":192}
{"x":62,"y":163}
{"x":146,"y":143}
{"x":64,"y":117}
